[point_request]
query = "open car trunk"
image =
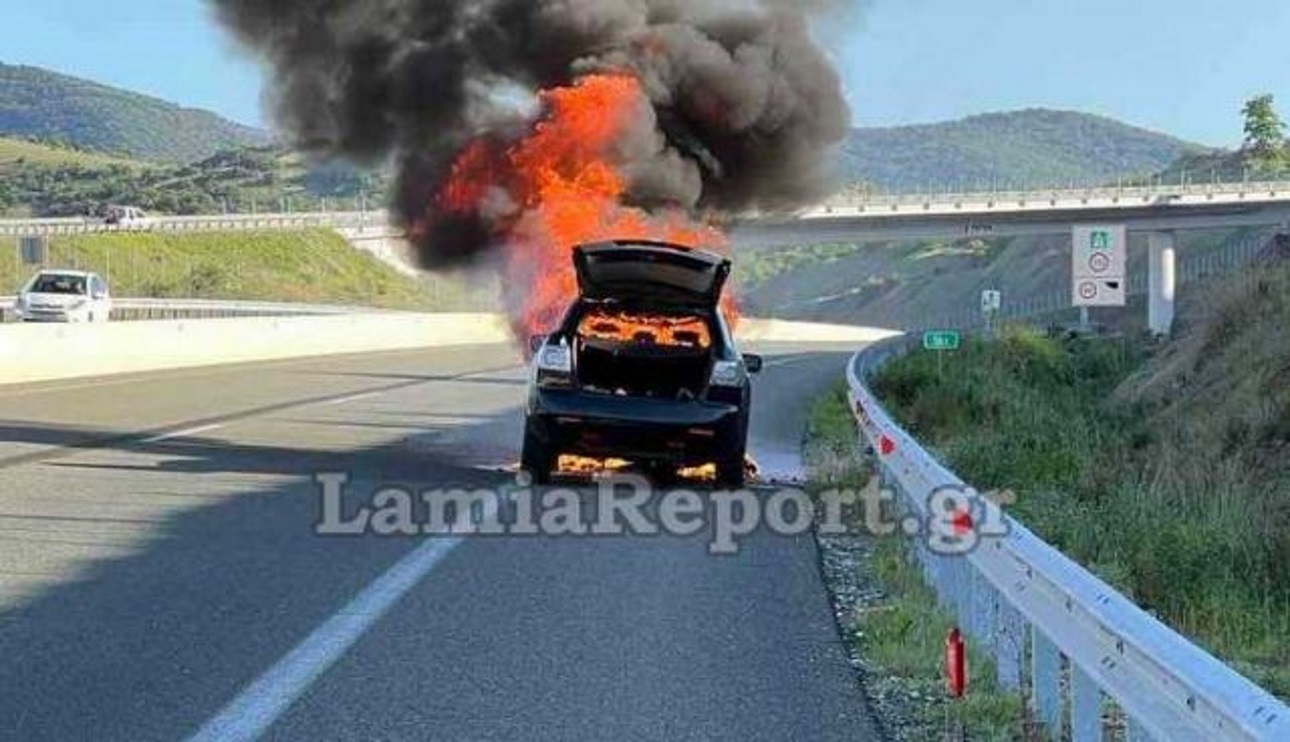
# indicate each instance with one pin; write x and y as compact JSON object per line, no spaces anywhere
{"x":659,"y":354}
{"x":651,"y":271}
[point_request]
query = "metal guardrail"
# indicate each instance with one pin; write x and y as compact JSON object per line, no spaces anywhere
{"x":126,"y":309}
{"x":1030,"y":606}
{"x":349,"y":220}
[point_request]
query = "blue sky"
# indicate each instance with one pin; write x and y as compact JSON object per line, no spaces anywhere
{"x":1181,"y":66}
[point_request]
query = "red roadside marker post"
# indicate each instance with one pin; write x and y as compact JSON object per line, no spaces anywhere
{"x":955,"y":664}
{"x":956,"y":680}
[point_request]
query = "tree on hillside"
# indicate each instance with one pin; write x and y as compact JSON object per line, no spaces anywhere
{"x":1265,"y":142}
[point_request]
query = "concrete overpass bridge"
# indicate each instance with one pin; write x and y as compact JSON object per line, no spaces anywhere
{"x":1010,"y":214}
{"x":1158,"y":211}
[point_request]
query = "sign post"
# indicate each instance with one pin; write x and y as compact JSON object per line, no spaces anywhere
{"x":991,"y":303}
{"x":940,"y":341}
{"x":1099,"y":268}
{"x":32,"y":249}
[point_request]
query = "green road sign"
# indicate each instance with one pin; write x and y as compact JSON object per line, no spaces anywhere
{"x":1100,"y":239}
{"x":941,"y":340}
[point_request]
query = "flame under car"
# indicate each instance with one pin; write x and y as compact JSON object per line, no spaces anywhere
{"x":643,"y":367}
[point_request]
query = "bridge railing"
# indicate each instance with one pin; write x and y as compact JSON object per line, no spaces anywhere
{"x":1005,"y":194}
{"x":1050,"y":625}
{"x":845,"y":204}
{"x":1012,"y":200}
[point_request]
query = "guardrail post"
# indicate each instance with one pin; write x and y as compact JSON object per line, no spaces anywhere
{"x":1045,"y":681}
{"x":1009,"y":644}
{"x":950,"y":580}
{"x":980,"y":606}
{"x":1086,"y":707}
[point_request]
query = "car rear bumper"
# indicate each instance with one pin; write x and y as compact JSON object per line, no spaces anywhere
{"x":630,"y":427}
{"x":49,"y":315}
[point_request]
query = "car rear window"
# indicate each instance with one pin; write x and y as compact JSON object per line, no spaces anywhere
{"x":58,"y":284}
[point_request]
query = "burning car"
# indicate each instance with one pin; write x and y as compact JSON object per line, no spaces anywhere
{"x":643,"y":366}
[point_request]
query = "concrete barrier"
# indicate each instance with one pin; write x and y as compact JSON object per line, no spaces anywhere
{"x":40,"y":352}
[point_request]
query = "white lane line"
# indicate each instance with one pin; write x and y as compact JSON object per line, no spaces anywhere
{"x":187,"y":432}
{"x":261,"y":703}
{"x":351,"y":398}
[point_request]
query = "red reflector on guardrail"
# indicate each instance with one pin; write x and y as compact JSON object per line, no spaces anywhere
{"x":886,"y":446}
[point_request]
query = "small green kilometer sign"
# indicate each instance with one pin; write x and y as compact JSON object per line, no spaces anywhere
{"x":941,"y":340}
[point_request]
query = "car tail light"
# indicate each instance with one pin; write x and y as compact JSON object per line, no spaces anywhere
{"x":727,"y":373}
{"x":555,"y":364}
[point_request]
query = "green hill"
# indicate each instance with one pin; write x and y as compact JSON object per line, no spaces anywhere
{"x":1030,"y":147}
{"x":19,"y":152}
{"x":46,"y":105}
{"x":54,"y":180}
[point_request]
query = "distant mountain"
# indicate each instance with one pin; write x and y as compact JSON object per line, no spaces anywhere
{"x":191,"y":160}
{"x":38,"y":103}
{"x":1030,"y":147}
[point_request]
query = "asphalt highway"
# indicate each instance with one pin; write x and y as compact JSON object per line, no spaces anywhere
{"x":161,"y":577}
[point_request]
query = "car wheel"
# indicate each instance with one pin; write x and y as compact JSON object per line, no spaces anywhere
{"x":537,"y":459}
{"x":730,"y":459}
{"x":730,"y":469}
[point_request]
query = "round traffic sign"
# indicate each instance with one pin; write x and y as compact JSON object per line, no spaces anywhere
{"x":1099,"y":262}
{"x":1087,"y":290}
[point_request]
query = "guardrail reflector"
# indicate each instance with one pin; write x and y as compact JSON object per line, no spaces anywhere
{"x":886,"y":446}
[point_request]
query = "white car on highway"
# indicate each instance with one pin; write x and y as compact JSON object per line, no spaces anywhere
{"x":128,"y":218}
{"x":64,"y":296}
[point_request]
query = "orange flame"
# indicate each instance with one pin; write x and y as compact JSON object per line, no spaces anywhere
{"x":564,"y":190}
{"x":625,"y":327}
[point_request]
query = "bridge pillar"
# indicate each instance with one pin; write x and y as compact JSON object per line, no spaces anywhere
{"x":1162,"y":281}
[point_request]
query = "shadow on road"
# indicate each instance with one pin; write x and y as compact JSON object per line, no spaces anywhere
{"x":150,"y":643}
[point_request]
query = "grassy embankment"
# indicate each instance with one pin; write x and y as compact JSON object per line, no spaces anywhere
{"x":312,"y":266}
{"x":900,"y":637}
{"x":1166,"y":474}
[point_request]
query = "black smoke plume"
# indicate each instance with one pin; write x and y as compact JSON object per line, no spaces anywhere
{"x":747,"y":108}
